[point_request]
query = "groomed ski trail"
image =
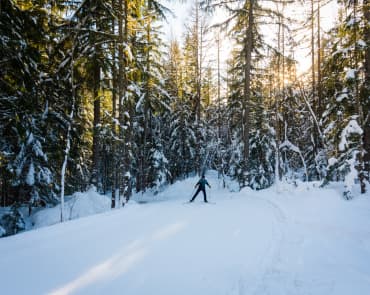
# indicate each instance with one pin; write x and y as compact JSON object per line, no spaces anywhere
{"x":166,"y":248}
{"x":249,"y":243}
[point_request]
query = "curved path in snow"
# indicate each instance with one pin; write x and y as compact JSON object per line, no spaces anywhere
{"x":247,"y":243}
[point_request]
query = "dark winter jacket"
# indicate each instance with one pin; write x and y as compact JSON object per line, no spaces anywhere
{"x":202,"y":183}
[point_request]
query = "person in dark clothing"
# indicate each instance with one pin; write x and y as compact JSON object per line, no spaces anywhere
{"x":201,"y":187}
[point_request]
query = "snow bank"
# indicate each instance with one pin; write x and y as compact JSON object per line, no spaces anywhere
{"x":79,"y":205}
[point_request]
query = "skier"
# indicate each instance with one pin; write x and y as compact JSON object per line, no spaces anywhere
{"x":201,"y":187}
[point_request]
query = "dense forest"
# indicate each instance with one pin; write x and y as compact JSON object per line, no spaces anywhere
{"x":92,"y":95}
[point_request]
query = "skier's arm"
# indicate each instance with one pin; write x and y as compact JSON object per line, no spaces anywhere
{"x":208,"y":184}
{"x":197,"y":184}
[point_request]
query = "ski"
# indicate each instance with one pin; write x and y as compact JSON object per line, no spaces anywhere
{"x":210,"y":203}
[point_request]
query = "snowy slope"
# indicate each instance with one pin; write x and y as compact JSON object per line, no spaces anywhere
{"x":288,"y":240}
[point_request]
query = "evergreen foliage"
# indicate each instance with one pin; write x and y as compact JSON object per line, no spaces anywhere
{"x":92,"y":87}
{"x":12,"y":222}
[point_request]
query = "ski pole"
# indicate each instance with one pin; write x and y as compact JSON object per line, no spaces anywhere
{"x":192,"y":193}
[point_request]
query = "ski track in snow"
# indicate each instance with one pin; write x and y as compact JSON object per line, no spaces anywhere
{"x":248,"y":243}
{"x":276,"y":279}
{"x":273,"y":255}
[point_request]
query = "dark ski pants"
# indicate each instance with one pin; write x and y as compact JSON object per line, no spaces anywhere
{"x":204,"y":194}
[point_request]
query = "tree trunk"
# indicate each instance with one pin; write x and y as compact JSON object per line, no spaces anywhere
{"x":366,"y":87}
{"x":315,"y":98}
{"x":319,"y":88}
{"x":218,"y":88}
{"x":125,"y":116}
{"x":121,"y":65}
{"x":198,"y":87}
{"x":147,"y":125}
{"x":313,"y":50}
{"x":96,"y":173}
{"x":197,"y":65}
{"x":247,"y":86}
{"x":114,"y":116}
{"x":360,"y":156}
{"x":68,"y":143}
{"x":277,"y":107}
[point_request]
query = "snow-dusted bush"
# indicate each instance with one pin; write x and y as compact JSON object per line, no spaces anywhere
{"x":2,"y":231}
{"x":12,"y":222}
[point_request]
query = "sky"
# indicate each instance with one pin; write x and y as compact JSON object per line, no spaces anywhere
{"x":175,"y":28}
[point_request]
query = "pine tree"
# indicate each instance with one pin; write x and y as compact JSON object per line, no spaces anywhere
{"x":24,"y":104}
{"x":343,"y":117}
{"x":151,"y":101}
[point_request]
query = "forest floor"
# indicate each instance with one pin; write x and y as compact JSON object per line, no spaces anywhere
{"x":283,"y":240}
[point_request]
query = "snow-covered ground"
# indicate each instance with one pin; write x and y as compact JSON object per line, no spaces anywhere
{"x":285,"y":240}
